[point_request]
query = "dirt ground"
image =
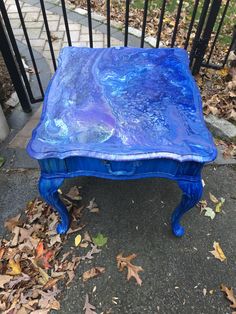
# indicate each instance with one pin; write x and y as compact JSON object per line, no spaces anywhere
{"x":6,"y":87}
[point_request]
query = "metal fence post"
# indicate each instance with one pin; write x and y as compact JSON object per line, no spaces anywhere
{"x":13,"y":70}
{"x":202,"y":44}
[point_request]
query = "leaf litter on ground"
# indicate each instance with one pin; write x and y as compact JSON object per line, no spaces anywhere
{"x":208,"y":211}
{"x":31,"y":262}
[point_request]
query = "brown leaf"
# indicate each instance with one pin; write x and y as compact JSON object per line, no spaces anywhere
{"x":22,"y":278}
{"x":52,"y":282}
{"x":89,"y":308}
{"x":92,"y":207}
{"x":2,"y":251}
{"x":218,"y":252}
{"x":229,"y":293}
{"x":4,"y":279}
{"x":133,"y":270}
{"x":53,"y":37}
{"x":40,"y":311}
{"x":74,"y":194}
{"x":11,"y":223}
{"x":89,"y":255}
{"x":16,"y":232}
{"x":87,"y":237}
{"x":22,"y":310}
{"x":55,"y":239}
{"x":93,"y":272}
{"x":25,"y":234}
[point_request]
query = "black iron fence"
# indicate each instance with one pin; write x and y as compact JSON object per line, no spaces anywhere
{"x":205,"y":24}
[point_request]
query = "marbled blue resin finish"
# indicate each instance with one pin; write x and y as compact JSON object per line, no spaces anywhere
{"x":123,"y":104}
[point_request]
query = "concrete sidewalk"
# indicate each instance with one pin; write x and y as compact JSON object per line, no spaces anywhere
{"x":134,"y":215}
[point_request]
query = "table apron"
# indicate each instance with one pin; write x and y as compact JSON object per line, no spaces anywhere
{"x":120,"y":170}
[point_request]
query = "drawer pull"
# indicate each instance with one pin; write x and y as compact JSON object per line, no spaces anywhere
{"x":122,"y":172}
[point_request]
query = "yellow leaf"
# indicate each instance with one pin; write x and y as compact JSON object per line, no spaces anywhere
{"x":15,"y":268}
{"x":218,"y":252}
{"x":224,"y":72}
{"x":77,"y":239}
{"x":219,"y":205}
{"x":213,"y":198}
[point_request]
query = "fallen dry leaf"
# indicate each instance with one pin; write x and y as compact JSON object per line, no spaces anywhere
{"x":89,"y":255}
{"x":43,"y":256}
{"x":4,"y":279}
{"x":87,"y":237}
{"x":209,"y":212}
{"x":11,"y":223}
{"x":78,"y":239}
{"x":93,"y":272}
{"x":219,"y":205}
{"x":229,"y":293}
{"x":89,"y":308}
{"x":74,"y":194}
{"x":15,"y":268}
{"x":16,"y":232}
{"x":213,"y":198}
{"x":218,"y":252}
{"x":18,"y":279}
{"x":93,"y":207}
{"x":51,"y":282}
{"x":26,"y":284}
{"x":2,"y":251}
{"x":133,"y":270}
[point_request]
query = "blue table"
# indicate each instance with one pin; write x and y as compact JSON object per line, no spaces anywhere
{"x":122,"y":113}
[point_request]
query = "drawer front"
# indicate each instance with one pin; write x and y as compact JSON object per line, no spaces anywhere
{"x":86,"y":166}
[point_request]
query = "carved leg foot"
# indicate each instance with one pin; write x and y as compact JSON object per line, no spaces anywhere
{"x":192,"y":192}
{"x":48,"y":189}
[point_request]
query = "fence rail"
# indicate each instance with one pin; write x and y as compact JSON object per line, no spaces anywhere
{"x":205,"y":29}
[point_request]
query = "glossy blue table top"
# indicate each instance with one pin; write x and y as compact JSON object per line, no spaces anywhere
{"x":123,"y":104}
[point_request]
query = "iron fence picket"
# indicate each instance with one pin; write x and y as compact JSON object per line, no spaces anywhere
{"x":195,"y":8}
{"x":90,"y":23}
{"x":67,"y":29}
{"x":218,"y":31}
{"x":196,"y":47}
{"x":145,"y":10}
{"x":163,"y":7}
{"x":176,"y":23}
{"x":108,"y":4}
{"x":127,"y":3}
{"x":13,"y":70}
{"x":29,"y":47}
{"x":48,"y":34}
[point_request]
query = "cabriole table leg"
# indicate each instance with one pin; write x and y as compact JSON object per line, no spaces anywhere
{"x":192,"y":192}
{"x":48,"y":188}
